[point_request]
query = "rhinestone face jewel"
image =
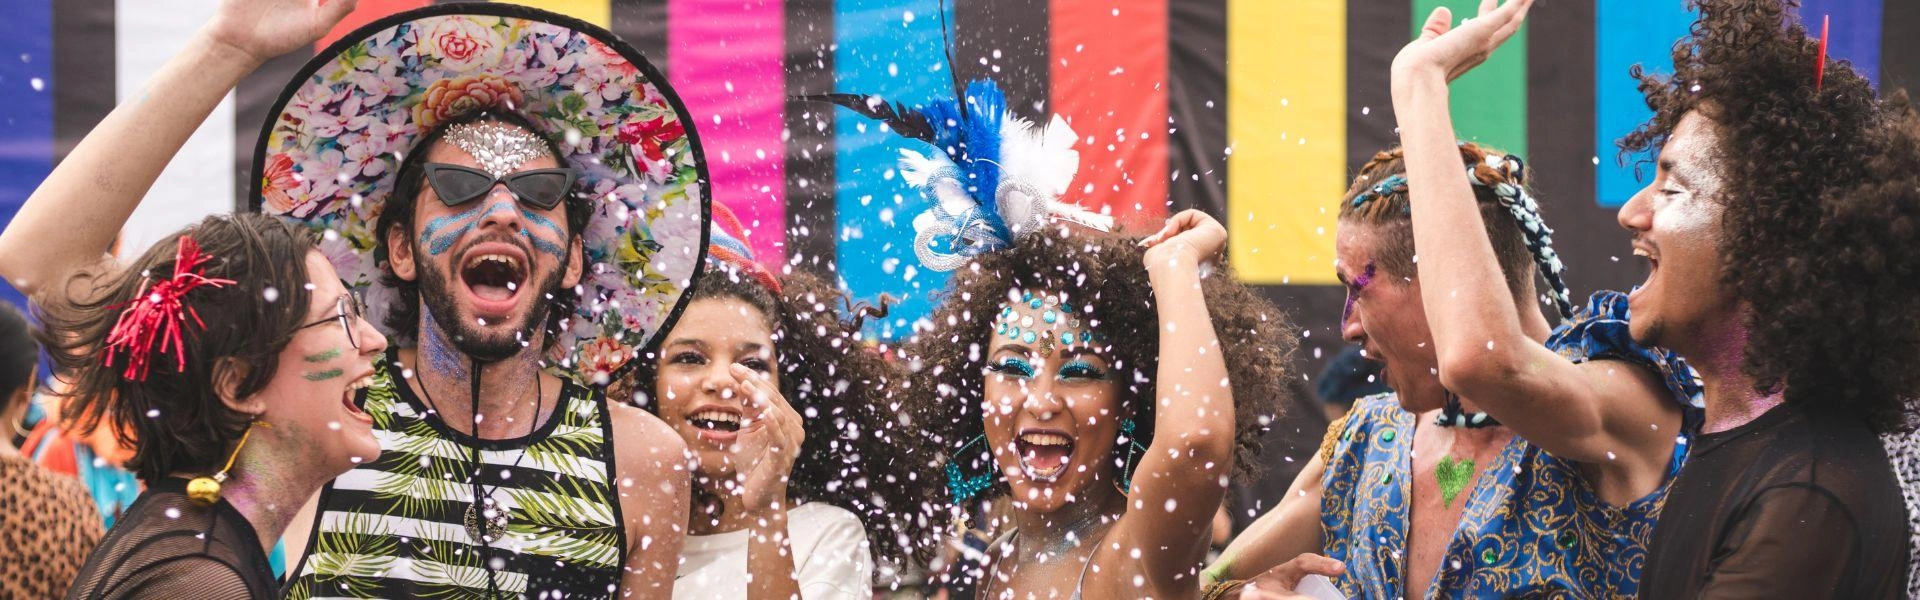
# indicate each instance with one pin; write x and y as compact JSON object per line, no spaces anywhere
{"x":499,"y":148}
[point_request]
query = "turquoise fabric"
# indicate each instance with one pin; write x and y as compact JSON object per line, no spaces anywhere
{"x":1532,"y":526}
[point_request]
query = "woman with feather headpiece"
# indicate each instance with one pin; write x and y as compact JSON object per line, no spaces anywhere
{"x":1108,"y":387}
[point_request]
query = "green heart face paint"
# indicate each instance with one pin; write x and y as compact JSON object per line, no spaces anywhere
{"x":1452,"y":475}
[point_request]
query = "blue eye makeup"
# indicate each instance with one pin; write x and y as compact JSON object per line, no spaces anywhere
{"x":1012,"y":366}
{"x":1081,"y":369}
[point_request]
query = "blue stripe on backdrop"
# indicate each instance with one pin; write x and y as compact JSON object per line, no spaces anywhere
{"x":1628,"y":32}
{"x":1855,"y":31}
{"x":892,"y":48}
{"x":26,"y":107}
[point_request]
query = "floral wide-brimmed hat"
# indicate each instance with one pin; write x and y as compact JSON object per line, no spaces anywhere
{"x":330,"y":153}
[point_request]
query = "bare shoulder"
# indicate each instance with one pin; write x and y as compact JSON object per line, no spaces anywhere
{"x":642,"y":441}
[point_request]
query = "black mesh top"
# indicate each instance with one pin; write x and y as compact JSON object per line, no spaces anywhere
{"x":167,"y":546}
{"x":1791,"y":505}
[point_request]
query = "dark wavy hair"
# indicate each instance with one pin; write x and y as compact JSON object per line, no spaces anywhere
{"x":857,"y":455}
{"x":174,"y":419}
{"x":1393,"y":212}
{"x":403,"y":315}
{"x":1822,"y":206}
{"x":1103,"y":273}
{"x":19,"y":354}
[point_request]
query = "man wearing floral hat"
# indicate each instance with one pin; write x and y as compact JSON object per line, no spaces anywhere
{"x":519,"y":197}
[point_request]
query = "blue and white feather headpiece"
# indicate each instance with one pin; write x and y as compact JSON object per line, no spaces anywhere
{"x":993,"y":178}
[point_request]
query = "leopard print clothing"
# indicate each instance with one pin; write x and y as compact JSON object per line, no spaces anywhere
{"x":50,"y":527}
{"x":1903,"y":452}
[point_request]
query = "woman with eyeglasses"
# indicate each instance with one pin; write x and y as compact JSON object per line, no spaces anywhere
{"x":228,"y":355}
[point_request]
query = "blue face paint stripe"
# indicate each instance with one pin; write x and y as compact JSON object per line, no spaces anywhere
{"x":436,"y":244}
{"x":542,"y":221}
{"x":541,"y":244}
{"x":442,"y":243}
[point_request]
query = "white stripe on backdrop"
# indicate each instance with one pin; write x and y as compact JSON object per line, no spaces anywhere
{"x":199,"y":181}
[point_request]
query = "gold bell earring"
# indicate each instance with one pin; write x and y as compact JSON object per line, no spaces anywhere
{"x":206,"y":490}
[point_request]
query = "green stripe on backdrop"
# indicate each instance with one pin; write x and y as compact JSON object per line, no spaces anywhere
{"x":1490,"y":103}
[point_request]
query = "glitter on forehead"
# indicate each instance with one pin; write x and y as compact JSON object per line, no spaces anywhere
{"x":500,"y":149}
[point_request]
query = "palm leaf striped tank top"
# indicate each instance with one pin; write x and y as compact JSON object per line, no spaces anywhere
{"x":398,"y":527}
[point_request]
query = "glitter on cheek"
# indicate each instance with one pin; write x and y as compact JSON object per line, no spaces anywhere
{"x":325,"y":375}
{"x":543,"y":245}
{"x":438,"y":241}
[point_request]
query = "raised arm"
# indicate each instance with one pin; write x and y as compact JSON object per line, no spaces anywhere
{"x":1596,"y":412}
{"x":1290,"y":529}
{"x":72,"y":218}
{"x":1182,"y":477}
{"x":655,"y":483}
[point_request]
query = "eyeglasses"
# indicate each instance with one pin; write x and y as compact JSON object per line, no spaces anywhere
{"x":538,"y":188}
{"x":348,"y":310}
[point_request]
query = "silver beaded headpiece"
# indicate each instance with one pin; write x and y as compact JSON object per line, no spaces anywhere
{"x":499,"y":148}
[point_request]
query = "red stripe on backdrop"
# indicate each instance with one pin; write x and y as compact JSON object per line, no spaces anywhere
{"x":1109,"y":68}
{"x":725,"y":60}
{"x":366,"y":12}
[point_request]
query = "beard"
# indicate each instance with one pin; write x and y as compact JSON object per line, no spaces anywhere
{"x":437,"y":293}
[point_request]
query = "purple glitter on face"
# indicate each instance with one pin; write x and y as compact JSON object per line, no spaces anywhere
{"x":1353,"y":289}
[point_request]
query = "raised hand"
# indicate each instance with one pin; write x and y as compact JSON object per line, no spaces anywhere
{"x":769,"y":441}
{"x":1454,"y":51}
{"x":264,"y":29}
{"x":1190,"y":237}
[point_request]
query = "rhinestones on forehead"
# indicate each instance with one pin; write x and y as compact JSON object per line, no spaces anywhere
{"x":499,"y":148}
{"x":1053,"y":329}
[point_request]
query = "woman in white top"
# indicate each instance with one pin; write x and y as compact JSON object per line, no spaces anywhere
{"x":785,"y":505}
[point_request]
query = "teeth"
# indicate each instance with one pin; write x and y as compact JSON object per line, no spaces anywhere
{"x":360,"y":384}
{"x":1639,"y":252}
{"x":1045,"y":439}
{"x":510,"y":262}
{"x":716,"y":415}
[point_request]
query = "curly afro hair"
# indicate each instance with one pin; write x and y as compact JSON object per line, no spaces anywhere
{"x":1103,"y":273}
{"x":856,"y":455}
{"x":1822,"y":204}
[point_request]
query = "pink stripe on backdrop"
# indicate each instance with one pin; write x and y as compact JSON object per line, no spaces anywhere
{"x":725,"y":59}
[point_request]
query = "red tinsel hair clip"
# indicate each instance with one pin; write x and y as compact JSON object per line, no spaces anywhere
{"x":154,"y":320}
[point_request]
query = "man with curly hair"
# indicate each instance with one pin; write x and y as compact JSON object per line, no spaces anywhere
{"x":1779,"y":228}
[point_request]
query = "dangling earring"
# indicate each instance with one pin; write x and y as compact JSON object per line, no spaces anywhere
{"x":961,"y":486}
{"x":1125,"y":482}
{"x":206,"y":490}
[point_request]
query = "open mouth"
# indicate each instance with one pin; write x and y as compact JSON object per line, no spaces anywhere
{"x":715,"y":424}
{"x":493,"y":276}
{"x":494,"y":273}
{"x":1653,"y":268}
{"x":351,"y":398}
{"x":1044,"y":454}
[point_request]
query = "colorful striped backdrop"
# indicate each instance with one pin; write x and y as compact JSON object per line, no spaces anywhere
{"x":1254,"y":110}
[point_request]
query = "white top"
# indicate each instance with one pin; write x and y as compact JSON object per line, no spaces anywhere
{"x":830,"y":558}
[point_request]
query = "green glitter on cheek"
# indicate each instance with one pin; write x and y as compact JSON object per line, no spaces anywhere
{"x":323,"y":356}
{"x":325,"y":375}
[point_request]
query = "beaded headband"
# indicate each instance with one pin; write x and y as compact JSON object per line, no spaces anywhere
{"x":1055,"y":315}
{"x":1525,"y":211}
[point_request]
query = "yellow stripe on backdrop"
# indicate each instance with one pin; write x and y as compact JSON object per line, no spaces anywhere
{"x":1286,"y":123}
{"x":598,"y":12}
